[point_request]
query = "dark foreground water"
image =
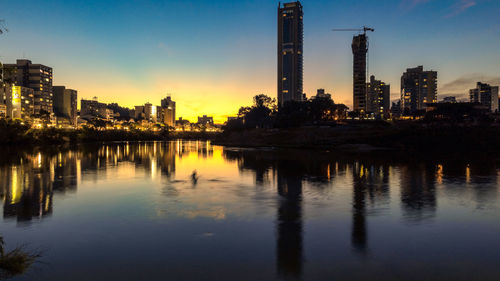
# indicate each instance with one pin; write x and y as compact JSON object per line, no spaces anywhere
{"x":135,"y":212}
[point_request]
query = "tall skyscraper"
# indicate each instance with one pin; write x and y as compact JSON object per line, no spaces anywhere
{"x":486,"y":95}
{"x":418,"y":87}
{"x":378,"y":96}
{"x":65,"y":103}
{"x":35,"y":76}
{"x":168,"y":111}
{"x":359,"y":50}
{"x":290,"y":47}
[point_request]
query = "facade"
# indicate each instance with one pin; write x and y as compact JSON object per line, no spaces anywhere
{"x":19,"y":102}
{"x":205,"y":120}
{"x":167,"y":112}
{"x":139,"y":112}
{"x":378,"y":96}
{"x":91,"y":108}
{"x":150,"y":113}
{"x":418,"y":88}
{"x":486,"y":95}
{"x":105,"y":113}
{"x":359,"y":50}
{"x":290,"y":48}
{"x":65,"y":103}
{"x":35,"y":76}
{"x":3,"y":110}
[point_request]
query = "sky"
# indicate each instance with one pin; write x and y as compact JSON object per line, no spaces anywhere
{"x":213,"y":56}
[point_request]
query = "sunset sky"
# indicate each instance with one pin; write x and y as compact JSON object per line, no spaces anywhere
{"x":214,"y":56}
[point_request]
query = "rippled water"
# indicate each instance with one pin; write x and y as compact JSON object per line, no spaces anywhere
{"x":139,"y":212}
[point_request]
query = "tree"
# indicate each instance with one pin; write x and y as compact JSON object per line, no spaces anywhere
{"x":259,"y":115}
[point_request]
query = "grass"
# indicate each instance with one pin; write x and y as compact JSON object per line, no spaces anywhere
{"x":15,"y":262}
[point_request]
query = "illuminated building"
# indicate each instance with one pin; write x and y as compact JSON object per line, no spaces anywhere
{"x":35,"y":76}
{"x":167,"y":111}
{"x":150,"y":113}
{"x":205,"y":120}
{"x":359,"y":50}
{"x":290,"y":48}
{"x":19,"y":102}
{"x":378,"y":96}
{"x":418,"y":88}
{"x":3,"y":110}
{"x":65,"y":103}
{"x":92,"y":108}
{"x":486,"y":95}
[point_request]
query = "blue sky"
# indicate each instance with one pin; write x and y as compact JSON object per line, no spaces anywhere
{"x":213,"y":56}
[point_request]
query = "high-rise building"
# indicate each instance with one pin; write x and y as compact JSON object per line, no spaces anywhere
{"x":150,"y":113}
{"x":35,"y":76}
{"x":290,"y":48}
{"x":486,"y":95}
{"x":19,"y":102}
{"x":378,"y":96}
{"x":359,"y":50}
{"x":167,"y":111}
{"x":65,"y":103}
{"x":418,"y":88}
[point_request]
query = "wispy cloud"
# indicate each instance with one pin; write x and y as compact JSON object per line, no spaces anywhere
{"x":464,"y":83}
{"x":460,"y":7}
{"x":410,"y":4}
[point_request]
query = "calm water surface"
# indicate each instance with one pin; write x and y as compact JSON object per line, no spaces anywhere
{"x":135,"y":212}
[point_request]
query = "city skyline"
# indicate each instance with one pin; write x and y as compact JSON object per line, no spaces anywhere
{"x":208,"y":68}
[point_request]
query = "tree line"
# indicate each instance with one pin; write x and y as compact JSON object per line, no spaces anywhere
{"x":264,"y":113}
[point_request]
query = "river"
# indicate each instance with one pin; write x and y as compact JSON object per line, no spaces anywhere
{"x":187,"y":210}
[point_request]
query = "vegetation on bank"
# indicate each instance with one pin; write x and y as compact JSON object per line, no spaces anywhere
{"x":408,"y":137}
{"x":320,"y":123}
{"x":15,"y":262}
{"x":264,"y":113}
{"x":17,"y":133}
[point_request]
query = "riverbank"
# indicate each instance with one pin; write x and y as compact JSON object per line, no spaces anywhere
{"x":19,"y":134}
{"x":414,"y":138}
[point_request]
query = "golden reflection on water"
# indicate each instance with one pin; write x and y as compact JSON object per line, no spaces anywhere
{"x":27,"y":183}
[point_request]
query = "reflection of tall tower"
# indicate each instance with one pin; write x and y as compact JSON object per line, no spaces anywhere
{"x":167,"y":161}
{"x":358,"y":235}
{"x":359,"y":50}
{"x":289,"y":244}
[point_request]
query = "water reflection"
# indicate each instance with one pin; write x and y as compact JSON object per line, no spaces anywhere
{"x":370,"y":187}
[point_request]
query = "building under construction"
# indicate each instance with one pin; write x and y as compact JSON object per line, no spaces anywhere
{"x":359,"y":51}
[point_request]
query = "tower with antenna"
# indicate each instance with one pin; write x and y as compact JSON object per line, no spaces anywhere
{"x":360,"y":67}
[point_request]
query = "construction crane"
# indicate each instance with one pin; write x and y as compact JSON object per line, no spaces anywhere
{"x":361,"y":40}
{"x":364,"y":29}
